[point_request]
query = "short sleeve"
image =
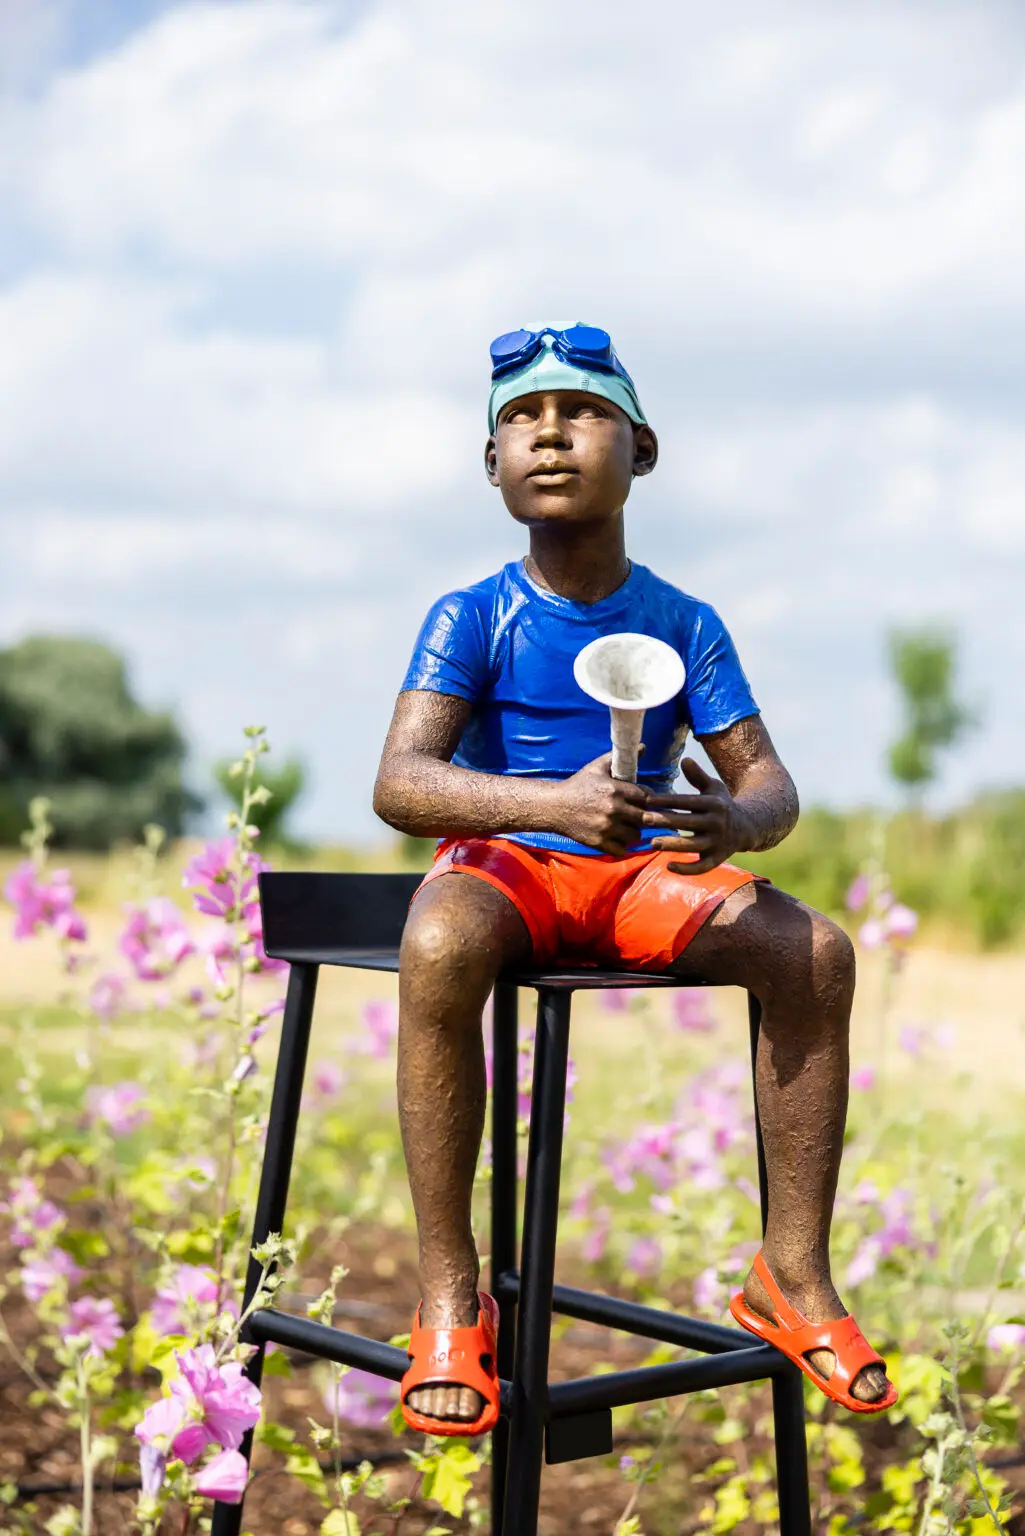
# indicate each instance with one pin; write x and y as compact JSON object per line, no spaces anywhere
{"x":717,"y":692}
{"x":451,"y":653}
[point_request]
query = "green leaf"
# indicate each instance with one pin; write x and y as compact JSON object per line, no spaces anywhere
{"x":446,"y":1475}
{"x":340,"y":1522}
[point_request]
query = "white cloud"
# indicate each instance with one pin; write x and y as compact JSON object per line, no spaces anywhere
{"x":258,"y":252}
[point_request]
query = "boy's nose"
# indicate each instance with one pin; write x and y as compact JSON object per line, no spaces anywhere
{"x":551,"y":429}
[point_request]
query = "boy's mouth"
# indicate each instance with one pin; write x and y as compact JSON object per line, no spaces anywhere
{"x":552,"y":473}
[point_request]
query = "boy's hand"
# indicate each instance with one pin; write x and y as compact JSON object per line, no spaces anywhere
{"x":594,"y":808}
{"x":710,"y":824}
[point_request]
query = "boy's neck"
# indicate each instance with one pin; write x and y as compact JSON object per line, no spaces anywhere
{"x":583,"y":564}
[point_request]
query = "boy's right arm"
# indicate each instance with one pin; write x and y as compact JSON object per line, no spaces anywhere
{"x":420,"y":791}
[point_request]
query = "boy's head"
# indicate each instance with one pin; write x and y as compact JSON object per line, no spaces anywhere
{"x":567,"y":429}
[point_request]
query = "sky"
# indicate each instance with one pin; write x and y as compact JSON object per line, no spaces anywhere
{"x":252,"y":255}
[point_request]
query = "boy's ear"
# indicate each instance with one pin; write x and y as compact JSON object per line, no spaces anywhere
{"x":645,"y":450}
{"x":491,"y":460}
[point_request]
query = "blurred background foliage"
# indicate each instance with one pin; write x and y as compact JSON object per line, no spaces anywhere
{"x":71,"y":730}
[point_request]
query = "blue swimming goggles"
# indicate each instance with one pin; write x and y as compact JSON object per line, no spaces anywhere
{"x":582,"y":346}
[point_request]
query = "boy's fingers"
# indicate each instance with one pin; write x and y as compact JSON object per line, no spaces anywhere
{"x":681,"y":821}
{"x":701,"y":867}
{"x":686,"y":802}
{"x":695,"y":774}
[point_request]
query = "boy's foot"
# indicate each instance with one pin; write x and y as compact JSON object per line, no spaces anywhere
{"x":819,"y":1303}
{"x":459,"y":1405}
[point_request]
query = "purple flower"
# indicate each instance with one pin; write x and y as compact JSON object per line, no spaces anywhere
{"x":857,"y":894}
{"x":95,"y":1320}
{"x":626,"y":1462}
{"x":154,"y":939}
{"x":211,"y":878}
{"x":45,"y":1272}
{"x":362,"y":1399}
{"x":152,"y":1470}
{"x":596,"y":1241}
{"x":224,"y":1478}
{"x":1006,"y":1338}
{"x":119,"y":1108}
{"x":691,"y":1011}
{"x":107,"y":995}
{"x":328,"y":1079}
{"x":42,"y":903}
{"x":872,"y":934}
{"x":913,"y":1039}
{"x":31,"y":1213}
{"x":645,"y":1256}
{"x":900,"y":922}
{"x":615,"y":999}
{"x":190,"y":1284}
{"x":863,"y":1079}
{"x":381,"y":1023}
{"x":709,"y":1291}
{"x":160,"y":1424}
{"x":220,"y":1404}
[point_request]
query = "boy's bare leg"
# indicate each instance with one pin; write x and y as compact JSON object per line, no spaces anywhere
{"x":800,"y":966}
{"x":461,"y":932}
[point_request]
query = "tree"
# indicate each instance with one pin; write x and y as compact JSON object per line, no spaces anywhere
{"x":71,"y":730}
{"x":285,"y":784}
{"x":924,"y":663}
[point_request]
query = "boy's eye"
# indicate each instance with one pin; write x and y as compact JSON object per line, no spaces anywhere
{"x":586,"y":408}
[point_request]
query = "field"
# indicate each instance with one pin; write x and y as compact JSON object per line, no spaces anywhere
{"x":133,"y":1115}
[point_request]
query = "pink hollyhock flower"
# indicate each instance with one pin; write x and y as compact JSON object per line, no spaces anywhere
{"x":41,"y":903}
{"x":615,"y":999}
{"x":645,"y":1256}
{"x":900,"y":922}
{"x":152,"y":1470}
{"x":362,"y":1399}
{"x":96,"y":1320}
{"x":219,"y":1403}
{"x":691,"y":1011}
{"x":44,"y":1273}
{"x":154,"y":939}
{"x":328,"y":1079}
{"x":71,"y":926}
{"x":913,"y":1039}
{"x":224,"y":1478}
{"x":31,"y":1213}
{"x":381,"y":1023}
{"x":580,"y":1206}
{"x":857,"y":894}
{"x":211,"y":878}
{"x":872,"y":935}
{"x":709,"y":1291}
{"x":1006,"y":1337}
{"x":156,"y":1431}
{"x":748,"y":1188}
{"x":107,"y":995}
{"x":863,"y":1079}
{"x":120,"y":1107}
{"x":596,"y":1241}
{"x":663,"y":1204}
{"x":189,"y":1284}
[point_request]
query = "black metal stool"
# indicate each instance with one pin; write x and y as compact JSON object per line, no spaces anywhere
{"x":357,"y":920}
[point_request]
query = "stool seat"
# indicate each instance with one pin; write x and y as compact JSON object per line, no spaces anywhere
{"x":356,"y":921}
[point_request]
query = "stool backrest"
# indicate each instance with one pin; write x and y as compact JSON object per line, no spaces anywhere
{"x":306,"y":914}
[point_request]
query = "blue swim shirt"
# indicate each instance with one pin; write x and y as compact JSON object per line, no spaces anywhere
{"x":508,"y":646}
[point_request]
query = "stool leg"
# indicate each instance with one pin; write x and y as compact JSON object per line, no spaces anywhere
{"x":276,"y":1171}
{"x":540,"y":1225}
{"x":788,"y":1389}
{"x":503,"y":1213}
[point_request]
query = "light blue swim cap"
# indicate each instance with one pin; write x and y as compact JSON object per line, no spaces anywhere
{"x":547,"y":370}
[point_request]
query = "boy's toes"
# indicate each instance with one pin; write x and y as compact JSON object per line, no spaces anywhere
{"x":461,"y":1404}
{"x":870,"y":1384}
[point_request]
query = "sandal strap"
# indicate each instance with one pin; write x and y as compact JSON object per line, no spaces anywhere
{"x":455,"y":1355}
{"x":850,"y":1349}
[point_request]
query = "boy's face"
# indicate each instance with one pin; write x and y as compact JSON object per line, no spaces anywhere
{"x":566,"y":456}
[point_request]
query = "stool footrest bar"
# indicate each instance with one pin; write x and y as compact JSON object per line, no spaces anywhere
{"x":648,"y":1383}
{"x":631,"y":1317}
{"x":271,"y":1326}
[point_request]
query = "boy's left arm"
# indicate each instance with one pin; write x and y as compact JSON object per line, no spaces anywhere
{"x":753,"y":805}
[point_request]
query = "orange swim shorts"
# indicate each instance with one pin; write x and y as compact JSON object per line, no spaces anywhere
{"x":632,"y":913}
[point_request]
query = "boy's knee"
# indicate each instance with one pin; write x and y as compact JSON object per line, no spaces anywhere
{"x":443,"y":951}
{"x":832,"y":959}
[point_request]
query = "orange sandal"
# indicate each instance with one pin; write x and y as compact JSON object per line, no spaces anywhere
{"x":462,"y":1357}
{"x":795,"y":1337}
